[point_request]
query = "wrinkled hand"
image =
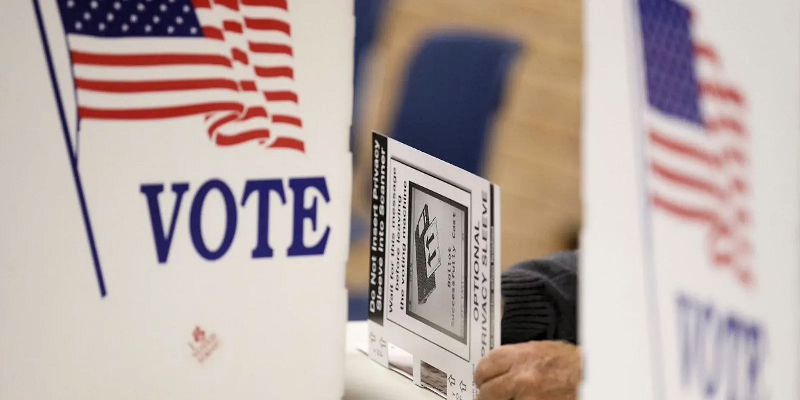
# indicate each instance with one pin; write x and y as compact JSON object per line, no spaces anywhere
{"x":542,"y":370}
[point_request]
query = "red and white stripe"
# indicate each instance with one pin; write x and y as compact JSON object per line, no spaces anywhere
{"x":700,"y":174}
{"x":258,"y":34}
{"x":115,"y":80}
{"x":240,"y":77}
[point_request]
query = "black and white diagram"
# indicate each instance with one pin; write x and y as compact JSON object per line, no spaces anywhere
{"x":437,"y":261}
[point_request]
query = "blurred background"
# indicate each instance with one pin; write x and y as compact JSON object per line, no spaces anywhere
{"x":493,"y":87}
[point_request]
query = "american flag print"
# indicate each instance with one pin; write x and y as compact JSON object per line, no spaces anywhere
{"x":229,"y":62}
{"x":696,"y":138}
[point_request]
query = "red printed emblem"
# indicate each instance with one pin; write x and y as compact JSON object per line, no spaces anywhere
{"x":203,"y":345}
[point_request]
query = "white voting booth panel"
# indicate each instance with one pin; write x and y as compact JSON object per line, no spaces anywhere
{"x":176,"y":198}
{"x":690,"y":269}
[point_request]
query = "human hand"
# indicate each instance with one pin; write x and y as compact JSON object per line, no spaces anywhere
{"x":539,"y":370}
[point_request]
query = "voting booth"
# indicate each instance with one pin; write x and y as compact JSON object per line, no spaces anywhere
{"x":176,"y":193}
{"x":689,"y":266}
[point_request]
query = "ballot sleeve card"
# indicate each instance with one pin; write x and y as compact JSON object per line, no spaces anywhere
{"x":434,"y":268}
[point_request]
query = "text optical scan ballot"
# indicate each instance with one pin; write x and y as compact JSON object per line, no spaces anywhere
{"x":434,"y":267}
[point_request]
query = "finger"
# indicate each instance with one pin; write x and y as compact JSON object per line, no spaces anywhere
{"x":561,"y":395}
{"x":497,"y":362}
{"x":499,"y":388}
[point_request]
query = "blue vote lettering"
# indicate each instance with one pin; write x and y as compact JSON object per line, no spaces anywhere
{"x":298,"y":248}
{"x":263,"y":190}
{"x":163,"y":242}
{"x":722,"y":355}
{"x":195,"y":218}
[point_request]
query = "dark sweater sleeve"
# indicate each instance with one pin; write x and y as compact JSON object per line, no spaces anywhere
{"x":541,"y":299}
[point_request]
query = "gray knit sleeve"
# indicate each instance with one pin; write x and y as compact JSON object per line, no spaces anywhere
{"x":540,"y":299}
